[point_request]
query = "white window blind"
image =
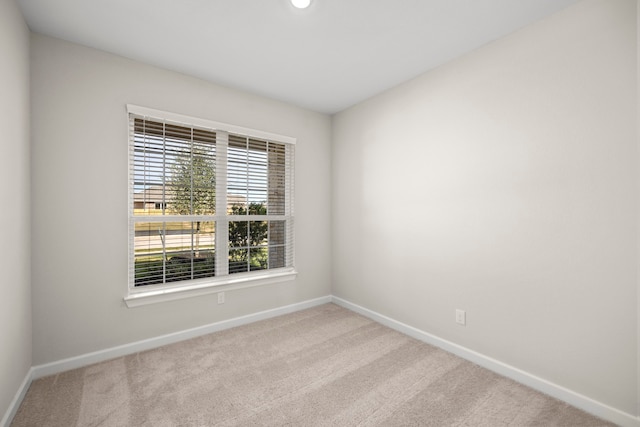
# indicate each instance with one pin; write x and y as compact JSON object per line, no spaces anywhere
{"x":207,"y":201}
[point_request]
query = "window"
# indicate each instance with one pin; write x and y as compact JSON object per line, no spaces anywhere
{"x":208,"y":202}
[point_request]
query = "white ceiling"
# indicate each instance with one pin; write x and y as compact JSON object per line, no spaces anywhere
{"x":326,"y":58}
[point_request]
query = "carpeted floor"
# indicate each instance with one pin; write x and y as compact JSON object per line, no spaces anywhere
{"x":325,"y":366}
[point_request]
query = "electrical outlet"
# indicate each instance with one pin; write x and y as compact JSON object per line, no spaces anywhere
{"x":220,"y":297}
{"x":461,"y":317}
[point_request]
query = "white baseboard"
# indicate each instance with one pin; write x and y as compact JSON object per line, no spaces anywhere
{"x":17,"y":399}
{"x":575,"y":399}
{"x":135,"y":347}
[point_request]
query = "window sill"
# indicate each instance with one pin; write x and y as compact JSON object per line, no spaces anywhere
{"x":158,"y":294}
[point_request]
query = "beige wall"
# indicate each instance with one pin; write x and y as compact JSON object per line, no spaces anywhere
{"x":505,"y":183}
{"x":79,"y":132}
{"x":15,"y":287}
{"x":511,"y":192}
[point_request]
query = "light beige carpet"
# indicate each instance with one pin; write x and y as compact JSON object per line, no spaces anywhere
{"x":325,"y":366}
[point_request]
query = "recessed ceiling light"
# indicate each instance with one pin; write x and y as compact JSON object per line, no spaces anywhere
{"x":301,"y":4}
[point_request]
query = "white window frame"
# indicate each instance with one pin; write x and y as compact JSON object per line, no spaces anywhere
{"x":143,"y":295}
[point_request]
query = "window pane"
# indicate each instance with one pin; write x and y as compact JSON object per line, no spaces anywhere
{"x":258,"y":233}
{"x":149,"y":265}
{"x":243,"y":234}
{"x":253,"y":244}
{"x":173,"y":251}
{"x":277,"y":176}
{"x":149,"y":255}
{"x":148,"y":169}
{"x":238,"y":234}
{"x":258,"y":259}
{"x":276,"y":232}
{"x":178,"y":178}
{"x":173,"y":169}
{"x":277,"y":241}
{"x":276,"y":256}
{"x":238,"y":260}
{"x":203,"y":165}
{"x":257,"y":173}
{"x":248,"y":176}
{"x":237,"y":159}
{"x":191,"y":179}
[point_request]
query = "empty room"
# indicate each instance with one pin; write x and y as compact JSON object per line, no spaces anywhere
{"x":324,"y":212}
